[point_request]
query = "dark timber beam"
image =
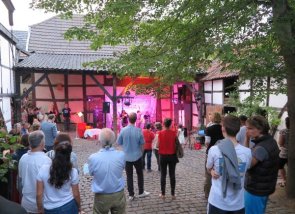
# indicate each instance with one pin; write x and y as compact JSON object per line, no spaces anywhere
{"x":84,"y":97}
{"x":114,"y":100}
{"x":18,"y":99}
{"x":32,"y":87}
{"x":66,"y":87}
{"x":101,"y":86}
{"x":55,"y":107}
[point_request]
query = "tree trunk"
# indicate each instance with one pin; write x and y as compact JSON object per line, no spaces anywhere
{"x":282,"y":13}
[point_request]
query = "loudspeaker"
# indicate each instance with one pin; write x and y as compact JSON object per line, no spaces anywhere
{"x":106,"y":107}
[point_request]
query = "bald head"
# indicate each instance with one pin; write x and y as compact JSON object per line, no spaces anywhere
{"x":132,"y":117}
{"x":107,"y":137}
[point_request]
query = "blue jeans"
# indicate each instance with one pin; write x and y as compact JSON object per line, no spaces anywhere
{"x":149,"y":159}
{"x":255,"y":204}
{"x":70,"y":208}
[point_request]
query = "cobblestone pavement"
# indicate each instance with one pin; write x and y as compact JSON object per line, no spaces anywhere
{"x":189,"y":186}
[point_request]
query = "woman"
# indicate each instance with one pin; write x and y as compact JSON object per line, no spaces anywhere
{"x":158,"y":126}
{"x":226,"y":160}
{"x":58,"y":184}
{"x":261,"y":178}
{"x":168,"y":158}
{"x":61,"y":137}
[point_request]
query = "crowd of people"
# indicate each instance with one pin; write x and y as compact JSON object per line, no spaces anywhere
{"x":241,"y":166}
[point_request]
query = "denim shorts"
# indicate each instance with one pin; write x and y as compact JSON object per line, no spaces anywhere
{"x":68,"y":208}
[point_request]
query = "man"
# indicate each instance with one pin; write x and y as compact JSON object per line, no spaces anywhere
{"x":261,"y":178}
{"x":66,"y":113}
{"x":241,"y":136}
{"x":227,"y":163}
{"x":107,"y":166}
{"x":28,"y":169}
{"x":50,"y":131}
{"x":148,"y":136}
{"x":131,"y":139}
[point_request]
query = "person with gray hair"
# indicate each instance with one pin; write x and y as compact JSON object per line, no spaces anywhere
{"x":28,"y":169}
{"x":107,"y":166}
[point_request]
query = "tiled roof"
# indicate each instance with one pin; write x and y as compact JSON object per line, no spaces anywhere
{"x":73,"y":62}
{"x":217,"y":71}
{"x":48,"y":37}
{"x":22,"y":37}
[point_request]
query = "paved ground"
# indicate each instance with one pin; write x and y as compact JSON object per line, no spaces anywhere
{"x":189,"y":186}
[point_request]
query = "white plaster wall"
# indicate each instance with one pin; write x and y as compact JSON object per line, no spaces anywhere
{"x":74,"y":80}
{"x":56,"y":79}
{"x":75,"y":92}
{"x":217,"y":85}
{"x":244,"y":95}
{"x":208,"y":97}
{"x":99,"y":78}
{"x":218,"y":98}
{"x":208,"y":86}
{"x":7,"y":52}
{"x":195,"y":121}
{"x":6,"y":111}
{"x":278,"y":101}
{"x":4,"y":15}
{"x":245,"y":85}
{"x":175,"y":88}
{"x":94,"y":91}
{"x":42,"y":92}
{"x":194,"y":108}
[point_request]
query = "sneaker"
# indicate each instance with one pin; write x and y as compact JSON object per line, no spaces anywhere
{"x":144,"y":194}
{"x":131,"y":198}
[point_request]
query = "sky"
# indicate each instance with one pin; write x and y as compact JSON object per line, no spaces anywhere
{"x":23,"y":16}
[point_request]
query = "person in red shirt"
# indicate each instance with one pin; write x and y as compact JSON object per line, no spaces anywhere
{"x":148,"y":136}
{"x":168,"y":158}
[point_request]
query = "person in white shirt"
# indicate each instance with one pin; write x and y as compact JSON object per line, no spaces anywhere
{"x":58,"y":184}
{"x":227,"y":163}
{"x":28,"y":169}
{"x":60,"y":138}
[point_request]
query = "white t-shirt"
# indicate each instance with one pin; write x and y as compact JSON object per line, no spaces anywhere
{"x":28,"y":169}
{"x":53,"y":197}
{"x":234,"y":199}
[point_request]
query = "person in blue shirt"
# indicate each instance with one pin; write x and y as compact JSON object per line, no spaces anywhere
{"x":50,"y":131}
{"x":107,"y":166}
{"x":131,"y":139}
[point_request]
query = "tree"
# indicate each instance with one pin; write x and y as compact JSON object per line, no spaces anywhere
{"x":175,"y":39}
